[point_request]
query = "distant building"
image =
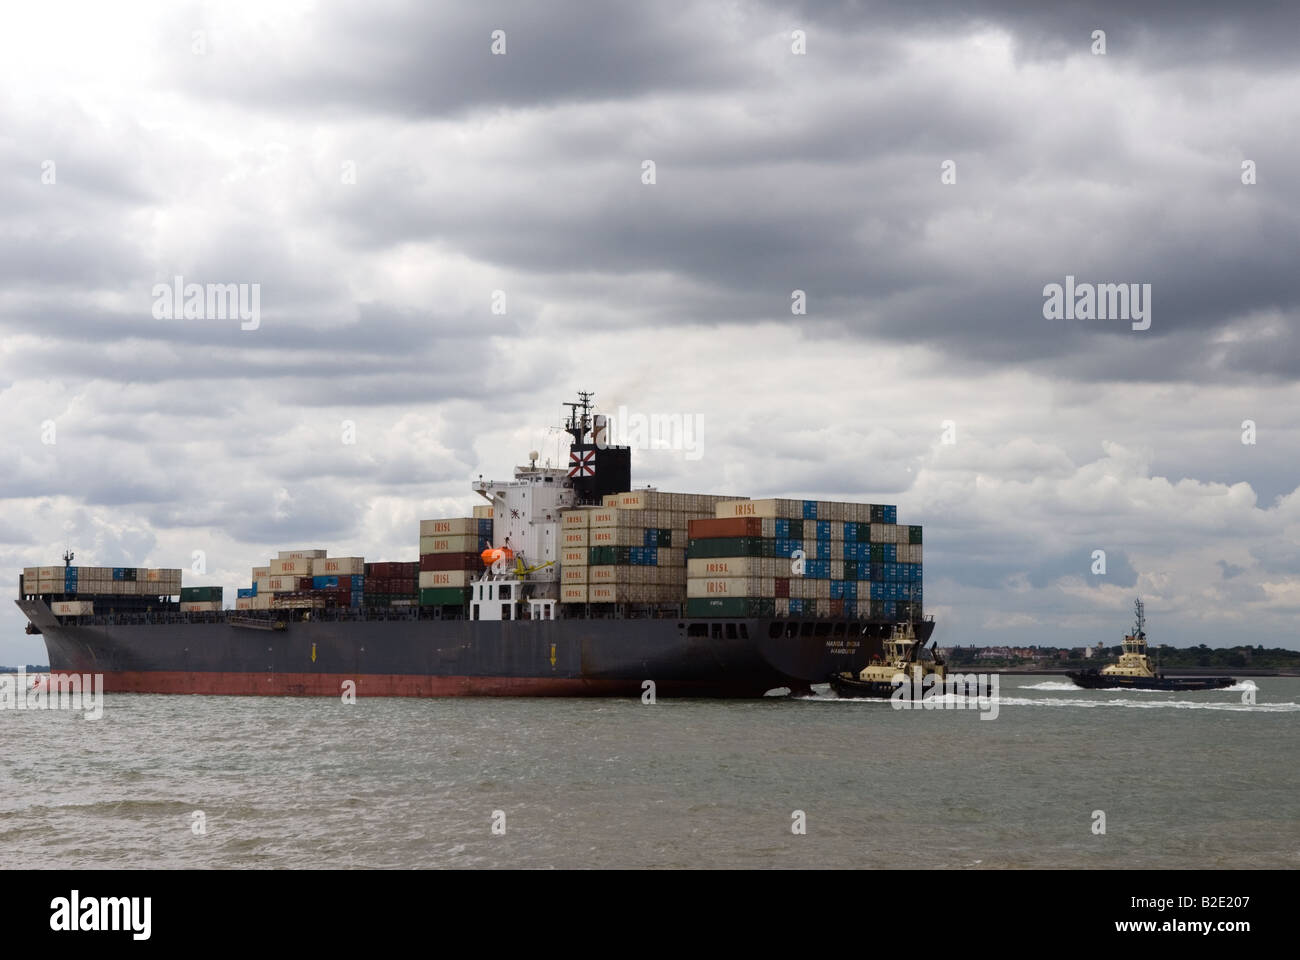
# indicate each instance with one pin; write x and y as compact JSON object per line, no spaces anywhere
{"x":1087,"y":653}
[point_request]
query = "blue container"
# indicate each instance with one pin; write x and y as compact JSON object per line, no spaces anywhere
{"x":837,"y":589}
{"x":891,"y":608}
{"x":650,"y":538}
{"x":823,"y":529}
{"x":810,"y":509}
{"x":891,"y":514}
{"x":850,"y":533}
{"x":850,"y":590}
{"x":485,"y":528}
{"x":119,"y":573}
{"x":325,"y":583}
{"x":782,"y":528}
{"x":850,"y":608}
{"x":796,"y":606}
{"x":243,"y":593}
{"x":358,"y":582}
{"x":891,"y":553}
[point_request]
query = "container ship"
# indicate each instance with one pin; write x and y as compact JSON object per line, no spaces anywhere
{"x":566,"y":581}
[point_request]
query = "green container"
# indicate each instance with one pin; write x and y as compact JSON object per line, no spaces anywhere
{"x":444,"y":596}
{"x":730,"y":607}
{"x":714,"y":547}
{"x":665,"y":537}
{"x":864,"y":533}
{"x":202,"y":594}
{"x":878,"y":553}
{"x":913,"y":534}
{"x":796,"y":529}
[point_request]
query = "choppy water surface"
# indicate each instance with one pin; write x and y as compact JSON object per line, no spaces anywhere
{"x":1184,"y":780}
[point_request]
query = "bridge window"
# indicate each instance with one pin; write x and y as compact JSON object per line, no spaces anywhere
{"x":806,"y":629}
{"x":744,"y":632}
{"x":823,"y":629}
{"x":791,"y":631}
{"x":775,"y":629}
{"x":731,"y":631}
{"x":697,"y":630}
{"x":715,"y":631}
{"x":839,"y":629}
{"x":504,"y":593}
{"x":476,"y":606}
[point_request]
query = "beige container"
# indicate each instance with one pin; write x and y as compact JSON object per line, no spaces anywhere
{"x":483,"y":512}
{"x":72,"y":608}
{"x":574,"y":556}
{"x":50,"y":573}
{"x":458,"y":527}
{"x":45,"y":585}
{"x":276,"y":584}
{"x":606,"y":517}
{"x":575,"y":519}
{"x":570,"y":539}
{"x":615,"y":536}
{"x":454,"y":544}
{"x":259,"y":572}
{"x":200,"y":606}
{"x":783,"y":606}
{"x":434,"y":579}
{"x":724,"y":587}
{"x":573,"y":593}
{"x":300,"y":554}
{"x":822,"y":608}
{"x":631,"y":593}
{"x":725,"y":567}
{"x":787,"y":509}
{"x":339,"y":566}
{"x":574,"y":574}
{"x":672,"y":556}
{"x":299,"y":567}
{"x":253,"y":603}
{"x":31,"y":575}
{"x":605,"y":573}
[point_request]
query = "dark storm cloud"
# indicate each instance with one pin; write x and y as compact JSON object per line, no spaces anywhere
{"x":415,"y":58}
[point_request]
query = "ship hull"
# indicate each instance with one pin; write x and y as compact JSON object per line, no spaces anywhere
{"x":434,"y":658}
{"x":1093,"y":680}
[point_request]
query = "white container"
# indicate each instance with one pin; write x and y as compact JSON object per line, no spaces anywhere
{"x":259,"y":572}
{"x":574,"y":574}
{"x":574,"y":556}
{"x":253,"y":603}
{"x":570,"y":539}
{"x":724,"y":587}
{"x":201,"y":606}
{"x":300,"y":554}
{"x":575,"y":519}
{"x":483,"y":512}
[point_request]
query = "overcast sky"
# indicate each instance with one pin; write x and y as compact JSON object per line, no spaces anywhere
{"x":379,"y":173}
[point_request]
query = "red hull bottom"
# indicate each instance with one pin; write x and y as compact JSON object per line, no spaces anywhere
{"x":374,"y":685}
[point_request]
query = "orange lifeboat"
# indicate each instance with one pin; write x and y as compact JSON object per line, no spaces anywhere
{"x":493,"y":554}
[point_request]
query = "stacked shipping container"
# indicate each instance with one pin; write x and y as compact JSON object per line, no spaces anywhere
{"x":804,"y":558}
{"x":631,"y":549}
{"x":450,"y":557}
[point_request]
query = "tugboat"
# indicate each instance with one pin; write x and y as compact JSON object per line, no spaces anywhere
{"x":1134,"y":670}
{"x":904,"y":655}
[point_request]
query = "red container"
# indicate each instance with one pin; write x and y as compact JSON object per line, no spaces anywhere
{"x":837,"y":608}
{"x":782,"y":586}
{"x":725,"y":527}
{"x":451,"y":561}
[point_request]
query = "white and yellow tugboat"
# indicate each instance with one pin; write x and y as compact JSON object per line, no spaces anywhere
{"x":1135,"y":671}
{"x":905,"y":658}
